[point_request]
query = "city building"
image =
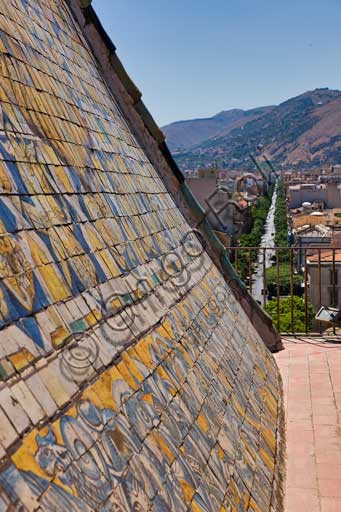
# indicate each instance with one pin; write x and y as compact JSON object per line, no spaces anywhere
{"x":323,"y":187}
{"x":311,"y":235}
{"x":309,"y":176}
{"x":324,"y":278}
{"x":310,"y":217}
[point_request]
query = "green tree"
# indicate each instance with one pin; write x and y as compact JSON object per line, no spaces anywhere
{"x":284,"y":280}
{"x":285,"y":314}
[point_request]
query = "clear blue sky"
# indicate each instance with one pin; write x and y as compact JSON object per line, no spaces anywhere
{"x":194,"y":58}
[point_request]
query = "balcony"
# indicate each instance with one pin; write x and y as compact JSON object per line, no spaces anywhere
{"x":292,"y":284}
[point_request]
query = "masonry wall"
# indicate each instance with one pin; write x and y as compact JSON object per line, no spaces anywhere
{"x":132,"y":378}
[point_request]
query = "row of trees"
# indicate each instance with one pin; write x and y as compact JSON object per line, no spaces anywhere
{"x":281,"y":276}
{"x":253,"y":238}
{"x":281,"y":222}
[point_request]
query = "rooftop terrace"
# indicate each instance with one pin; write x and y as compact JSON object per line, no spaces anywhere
{"x":310,"y":369}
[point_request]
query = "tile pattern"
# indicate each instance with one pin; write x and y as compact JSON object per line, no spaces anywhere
{"x":130,"y":377}
{"x":310,"y":369}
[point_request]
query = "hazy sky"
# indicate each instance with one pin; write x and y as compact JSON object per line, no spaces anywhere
{"x":194,"y":58}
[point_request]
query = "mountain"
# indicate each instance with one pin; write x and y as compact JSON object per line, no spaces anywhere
{"x":182,"y":135}
{"x":302,"y":132}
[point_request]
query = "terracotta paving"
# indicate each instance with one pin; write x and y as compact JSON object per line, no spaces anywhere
{"x":311,"y":372}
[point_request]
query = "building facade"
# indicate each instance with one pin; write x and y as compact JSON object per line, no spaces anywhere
{"x":324,"y":278}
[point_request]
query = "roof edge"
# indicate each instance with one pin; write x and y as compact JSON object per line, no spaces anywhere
{"x":131,"y":88}
{"x":152,"y":140}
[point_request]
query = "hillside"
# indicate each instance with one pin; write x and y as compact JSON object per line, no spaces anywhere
{"x":182,"y":135}
{"x":303,"y":132}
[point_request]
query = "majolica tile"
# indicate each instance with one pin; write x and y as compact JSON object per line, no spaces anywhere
{"x":135,"y":359}
{"x":237,"y":497}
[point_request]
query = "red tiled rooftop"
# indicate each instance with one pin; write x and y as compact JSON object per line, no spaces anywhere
{"x":326,"y":256}
{"x":311,"y":372}
{"x":243,"y":203}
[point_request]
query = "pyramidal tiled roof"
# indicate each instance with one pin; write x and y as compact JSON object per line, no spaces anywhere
{"x":131,"y":377}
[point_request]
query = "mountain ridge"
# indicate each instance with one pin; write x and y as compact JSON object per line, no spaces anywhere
{"x":301,"y":132}
{"x":191,"y":131}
